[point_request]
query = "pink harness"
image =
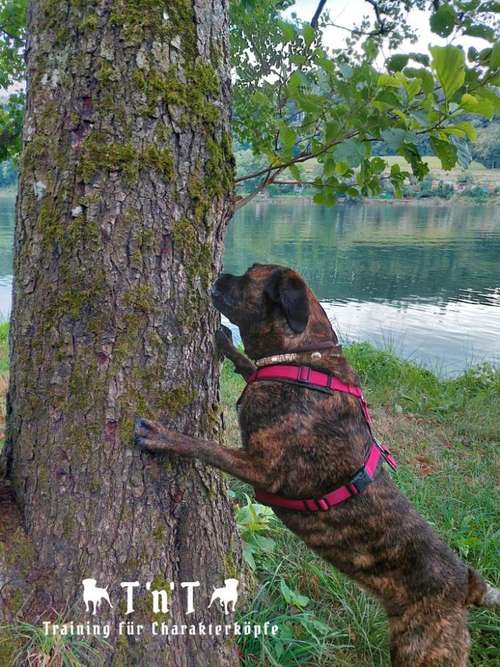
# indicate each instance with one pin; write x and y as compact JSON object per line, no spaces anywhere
{"x":312,"y":379}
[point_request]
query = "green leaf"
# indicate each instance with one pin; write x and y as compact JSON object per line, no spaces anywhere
{"x":346,"y":70}
{"x":388,"y":80}
{"x":295,"y":172}
{"x":325,"y":198}
{"x":248,"y":556}
{"x":495,"y":56}
{"x":443,"y":20}
{"x":397,"y":62}
{"x":472,"y":53}
{"x":483,"y":31}
{"x":309,"y":34}
{"x":265,"y":544}
{"x":449,"y":65}
{"x":464,"y":157}
{"x":287,"y":31}
{"x":411,"y":154}
{"x":421,"y":58}
{"x":462,"y":129}
{"x":331,"y":132}
{"x":259,"y":99}
{"x":293,"y":598}
{"x":424,"y":75}
{"x":388,"y":97}
{"x":394,"y":137}
{"x":445,"y":151}
{"x":478,"y":105}
{"x":309,"y":103}
{"x":351,"y":152}
{"x":287,"y":136}
{"x":298,"y":59}
{"x":295,"y":81}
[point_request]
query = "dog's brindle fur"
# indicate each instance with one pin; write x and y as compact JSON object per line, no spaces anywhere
{"x":302,"y":443}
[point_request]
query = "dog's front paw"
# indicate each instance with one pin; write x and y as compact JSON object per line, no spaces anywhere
{"x":224,"y":339}
{"x":154,"y":437}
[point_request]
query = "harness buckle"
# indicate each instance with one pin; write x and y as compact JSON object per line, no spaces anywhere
{"x":360,"y":480}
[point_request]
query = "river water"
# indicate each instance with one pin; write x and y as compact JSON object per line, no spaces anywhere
{"x":423,"y":280}
{"x":420,"y":279}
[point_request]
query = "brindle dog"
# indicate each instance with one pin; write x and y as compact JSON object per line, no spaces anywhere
{"x":302,"y":443}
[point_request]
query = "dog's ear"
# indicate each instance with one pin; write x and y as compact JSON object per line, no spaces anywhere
{"x":286,"y":288}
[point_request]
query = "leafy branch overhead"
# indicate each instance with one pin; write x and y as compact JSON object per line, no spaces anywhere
{"x":297,"y":100}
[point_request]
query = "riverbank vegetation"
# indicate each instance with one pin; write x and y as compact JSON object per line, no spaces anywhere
{"x":444,"y":434}
{"x":476,"y":183}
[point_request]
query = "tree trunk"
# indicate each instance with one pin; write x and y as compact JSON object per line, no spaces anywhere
{"x":124,"y":196}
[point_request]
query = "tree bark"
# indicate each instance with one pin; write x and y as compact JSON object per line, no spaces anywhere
{"x":125,"y":192}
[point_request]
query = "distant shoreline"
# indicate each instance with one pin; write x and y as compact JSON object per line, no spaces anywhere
{"x":410,"y":201}
{"x":11,"y":191}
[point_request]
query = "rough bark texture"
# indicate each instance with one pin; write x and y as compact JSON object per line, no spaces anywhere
{"x":124,"y":197}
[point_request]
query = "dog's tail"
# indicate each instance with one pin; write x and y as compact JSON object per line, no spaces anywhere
{"x":480,"y":593}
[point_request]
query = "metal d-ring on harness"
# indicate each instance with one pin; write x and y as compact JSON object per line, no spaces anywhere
{"x":313,"y":379}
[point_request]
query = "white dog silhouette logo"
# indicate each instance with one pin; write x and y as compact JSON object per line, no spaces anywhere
{"x":227,"y":595}
{"x":94,"y":594}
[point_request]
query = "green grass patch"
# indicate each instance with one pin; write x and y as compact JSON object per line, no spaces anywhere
{"x":26,"y":644}
{"x":452,"y":425}
{"x":4,"y":347}
{"x":471,"y":401}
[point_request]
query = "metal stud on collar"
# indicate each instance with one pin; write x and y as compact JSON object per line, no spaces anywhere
{"x":283,"y":358}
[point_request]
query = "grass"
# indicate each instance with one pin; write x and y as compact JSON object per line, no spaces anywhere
{"x":444,"y":434}
{"x":33,"y":648}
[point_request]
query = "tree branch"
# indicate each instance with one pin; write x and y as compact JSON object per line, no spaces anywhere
{"x":357,"y":31}
{"x":302,"y":157}
{"x":269,"y":180}
{"x":317,"y":13}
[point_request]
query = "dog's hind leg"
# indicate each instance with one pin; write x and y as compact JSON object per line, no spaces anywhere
{"x":427,"y":639}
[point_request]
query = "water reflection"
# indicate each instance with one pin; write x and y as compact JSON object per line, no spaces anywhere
{"x":421,"y":279}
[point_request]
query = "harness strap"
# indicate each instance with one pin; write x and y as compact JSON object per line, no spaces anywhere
{"x":313,"y":379}
{"x":357,"y":484}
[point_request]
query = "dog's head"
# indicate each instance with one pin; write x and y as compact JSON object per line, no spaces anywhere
{"x":232,"y":584}
{"x":89,"y":583}
{"x":273,"y":308}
